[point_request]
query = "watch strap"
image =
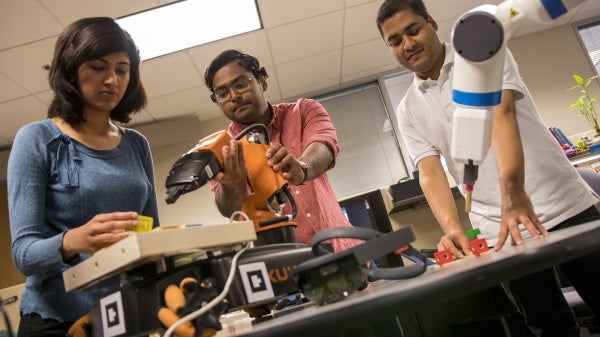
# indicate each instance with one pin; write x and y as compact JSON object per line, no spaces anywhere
{"x":304,"y":167}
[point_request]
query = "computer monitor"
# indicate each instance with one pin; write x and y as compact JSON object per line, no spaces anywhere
{"x":368,"y":210}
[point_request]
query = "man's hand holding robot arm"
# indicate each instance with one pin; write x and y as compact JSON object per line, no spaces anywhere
{"x":233,"y":162}
{"x":233,"y":189}
{"x":479,"y":38}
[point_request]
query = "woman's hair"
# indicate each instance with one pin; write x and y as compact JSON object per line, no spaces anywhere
{"x":84,"y":40}
{"x":389,"y":8}
{"x":248,"y":62}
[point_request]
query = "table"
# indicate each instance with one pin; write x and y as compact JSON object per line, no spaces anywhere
{"x":587,"y":159}
{"x":451,"y":281}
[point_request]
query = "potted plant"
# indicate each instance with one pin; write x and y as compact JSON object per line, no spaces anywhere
{"x":586,"y":103}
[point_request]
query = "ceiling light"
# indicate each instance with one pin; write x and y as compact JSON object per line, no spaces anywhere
{"x":185,"y":24}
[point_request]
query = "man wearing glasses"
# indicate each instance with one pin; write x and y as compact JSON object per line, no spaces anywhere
{"x":303,"y":145}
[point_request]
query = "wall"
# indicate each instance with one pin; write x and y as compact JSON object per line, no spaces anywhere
{"x":3,"y":163}
{"x":169,"y":140}
{"x":9,"y":274}
{"x":547,"y":61}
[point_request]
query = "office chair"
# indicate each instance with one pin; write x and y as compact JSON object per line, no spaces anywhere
{"x":590,"y":177}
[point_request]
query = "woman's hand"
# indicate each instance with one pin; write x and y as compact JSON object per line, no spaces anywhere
{"x":101,"y":231}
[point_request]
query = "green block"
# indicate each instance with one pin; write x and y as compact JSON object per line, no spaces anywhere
{"x":472,"y":233}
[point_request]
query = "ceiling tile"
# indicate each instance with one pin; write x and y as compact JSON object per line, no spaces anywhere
{"x":182,"y":103}
{"x":10,"y":90}
{"x":19,"y":112}
{"x":320,"y":88}
{"x":306,"y":38}
{"x":168,"y":74}
{"x":442,"y":10}
{"x":351,"y":3}
{"x":368,"y":75}
{"x":309,"y":73}
{"x":253,"y":43}
{"x":588,"y":10}
{"x":23,"y":65}
{"x":68,"y":11}
{"x":23,"y":21}
{"x":359,"y":24}
{"x":369,"y":55}
{"x":281,"y":12}
{"x":45,"y":96}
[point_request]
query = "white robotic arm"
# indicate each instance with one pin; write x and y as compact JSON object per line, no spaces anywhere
{"x":479,"y":38}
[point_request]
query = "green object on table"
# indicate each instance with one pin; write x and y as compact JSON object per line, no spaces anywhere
{"x":472,"y":233}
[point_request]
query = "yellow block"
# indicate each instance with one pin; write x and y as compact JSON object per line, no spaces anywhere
{"x":145,"y":224}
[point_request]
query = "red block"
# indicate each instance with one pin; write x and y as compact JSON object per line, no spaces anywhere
{"x":479,"y":246}
{"x":443,"y":256}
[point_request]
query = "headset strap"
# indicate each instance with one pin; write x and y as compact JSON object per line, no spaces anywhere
{"x":376,"y":244}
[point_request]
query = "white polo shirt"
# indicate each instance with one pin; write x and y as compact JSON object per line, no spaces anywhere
{"x":554,"y":186}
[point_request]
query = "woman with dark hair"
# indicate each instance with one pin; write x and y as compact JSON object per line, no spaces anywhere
{"x":76,"y":180}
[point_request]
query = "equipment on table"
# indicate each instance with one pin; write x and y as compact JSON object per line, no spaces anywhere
{"x":330,"y":277}
{"x":148,"y":265}
{"x":270,"y":191}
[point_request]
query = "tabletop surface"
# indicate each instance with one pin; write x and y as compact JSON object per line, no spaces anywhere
{"x":450,"y":281}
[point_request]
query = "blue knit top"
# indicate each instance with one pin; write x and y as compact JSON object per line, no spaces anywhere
{"x":55,"y":184}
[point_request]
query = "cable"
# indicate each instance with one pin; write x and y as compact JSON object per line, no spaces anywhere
{"x":257,"y":126}
{"x":240,"y":213}
{"x":6,"y":318}
{"x":212,"y":303}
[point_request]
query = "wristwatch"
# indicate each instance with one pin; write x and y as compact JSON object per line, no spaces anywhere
{"x":304,"y":167}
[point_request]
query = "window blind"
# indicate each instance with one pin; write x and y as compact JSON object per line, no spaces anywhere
{"x":370,"y":156}
{"x":589,"y":33}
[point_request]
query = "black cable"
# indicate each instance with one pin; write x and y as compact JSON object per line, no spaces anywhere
{"x":253,"y":127}
{"x":6,"y":318}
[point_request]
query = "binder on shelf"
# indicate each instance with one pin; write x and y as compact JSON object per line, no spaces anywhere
{"x":560,"y":136}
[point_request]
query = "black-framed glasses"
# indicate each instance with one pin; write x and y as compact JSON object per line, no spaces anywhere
{"x":223,"y":94}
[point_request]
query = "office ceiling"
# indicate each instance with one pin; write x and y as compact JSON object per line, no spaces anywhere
{"x":308,"y":47}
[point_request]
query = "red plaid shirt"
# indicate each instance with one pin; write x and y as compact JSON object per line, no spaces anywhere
{"x":296,"y":125}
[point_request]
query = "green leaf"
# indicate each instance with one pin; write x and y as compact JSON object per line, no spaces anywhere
{"x":585,"y":103}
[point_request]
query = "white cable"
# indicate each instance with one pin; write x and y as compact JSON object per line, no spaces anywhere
{"x":244,"y":215}
{"x":212,"y":303}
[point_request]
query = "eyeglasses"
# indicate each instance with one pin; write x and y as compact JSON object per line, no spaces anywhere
{"x":223,"y":94}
